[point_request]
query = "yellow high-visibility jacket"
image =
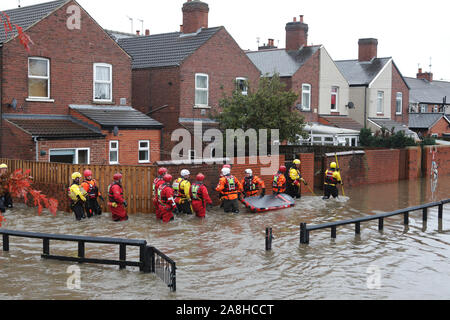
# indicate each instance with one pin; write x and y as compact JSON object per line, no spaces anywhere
{"x":75,"y":191}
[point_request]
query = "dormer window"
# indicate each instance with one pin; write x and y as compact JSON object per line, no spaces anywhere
{"x":102,"y":82}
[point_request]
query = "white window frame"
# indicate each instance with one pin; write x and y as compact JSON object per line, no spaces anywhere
{"x":76,"y":160}
{"x":245,"y":80}
{"x":399,"y":98}
{"x":337,"y":98}
{"x":307,"y":91}
{"x":144,"y":149}
{"x":202,"y":89}
{"x":423,"y":108}
{"x":113,"y":149}
{"x":380,"y":102}
{"x":40,"y":78}
{"x":110,"y":82}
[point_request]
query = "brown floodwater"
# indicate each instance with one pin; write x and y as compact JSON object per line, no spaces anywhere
{"x":223,"y":257}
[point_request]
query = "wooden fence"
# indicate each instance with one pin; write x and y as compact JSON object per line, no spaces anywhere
{"x":137,"y":180}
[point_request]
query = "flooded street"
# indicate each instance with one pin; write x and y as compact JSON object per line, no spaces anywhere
{"x":223,"y":256}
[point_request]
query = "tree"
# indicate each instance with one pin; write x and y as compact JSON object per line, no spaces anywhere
{"x":270,"y":107}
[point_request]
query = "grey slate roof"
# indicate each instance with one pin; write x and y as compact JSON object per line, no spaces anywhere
{"x":164,"y":50}
{"x":25,"y":17}
{"x":424,"y":120}
{"x":286,"y":63}
{"x":423,"y":91}
{"x":53,"y":126}
{"x":361,"y":73}
{"x":120,"y":116}
{"x":389,"y":124}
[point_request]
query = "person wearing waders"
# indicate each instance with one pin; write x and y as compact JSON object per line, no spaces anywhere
{"x":294,"y":179}
{"x":252,"y":184}
{"x":332,"y":179}
{"x":77,"y":196}
{"x":181,"y":189}
{"x":200,"y":197}
{"x":117,"y":203}
{"x":90,"y":186}
{"x":159,"y":180}
{"x":5,"y":196}
{"x":166,"y":200}
{"x":230,"y":187}
{"x":279,"y":181}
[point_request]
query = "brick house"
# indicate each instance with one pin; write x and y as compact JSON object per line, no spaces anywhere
{"x":309,"y":71}
{"x":378,"y":90}
{"x":67,"y":99}
{"x":435,"y":125}
{"x":180,"y":77}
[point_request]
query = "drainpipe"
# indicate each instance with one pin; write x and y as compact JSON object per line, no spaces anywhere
{"x":37,"y":148}
{"x":365,"y":107}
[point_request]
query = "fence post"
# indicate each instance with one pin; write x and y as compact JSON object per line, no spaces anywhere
{"x":269,"y":238}
{"x":358,"y":228}
{"x":173,"y":278}
{"x":425,"y":214}
{"x":122,"y":256}
{"x":46,"y":245}
{"x":5,"y":243}
{"x":441,"y":211}
{"x":333,"y":232}
{"x":406,"y":219}
{"x":380,"y":224}
{"x":149,"y":260}
{"x":142,"y":257}
{"x":81,"y":249}
{"x":304,"y":234}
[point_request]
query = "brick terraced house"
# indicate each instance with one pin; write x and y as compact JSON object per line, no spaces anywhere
{"x":68,"y":98}
{"x":180,"y":77}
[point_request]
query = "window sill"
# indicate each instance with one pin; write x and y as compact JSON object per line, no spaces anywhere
{"x":144,"y":162}
{"x":103,"y":102}
{"x":40,"y":100}
{"x":202,"y":107}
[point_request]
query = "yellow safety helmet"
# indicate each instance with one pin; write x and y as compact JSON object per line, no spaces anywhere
{"x":3,"y":166}
{"x":333,"y":165}
{"x":76,"y":175}
{"x":296,"y":161}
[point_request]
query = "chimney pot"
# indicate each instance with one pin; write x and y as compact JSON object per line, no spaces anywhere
{"x":138,"y":32}
{"x":147,"y":32}
{"x":295,"y":19}
{"x":301,"y":19}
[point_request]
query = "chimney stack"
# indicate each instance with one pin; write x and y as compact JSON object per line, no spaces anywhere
{"x":296,"y":34}
{"x":270,"y":45}
{"x":368,"y":49}
{"x":425,"y":75}
{"x":195,"y":16}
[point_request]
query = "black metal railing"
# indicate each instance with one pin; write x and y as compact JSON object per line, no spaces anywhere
{"x":305,"y":229}
{"x":147,"y":262}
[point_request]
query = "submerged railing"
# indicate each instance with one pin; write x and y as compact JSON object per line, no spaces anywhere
{"x":151,"y":260}
{"x":305,"y":229}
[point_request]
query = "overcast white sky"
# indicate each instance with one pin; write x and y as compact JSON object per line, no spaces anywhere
{"x":409,"y":31}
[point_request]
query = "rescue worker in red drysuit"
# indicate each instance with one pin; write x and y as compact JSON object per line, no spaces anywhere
{"x":117,"y":203}
{"x":279,"y":181}
{"x":159,"y":180}
{"x":200,"y":197}
{"x":166,"y":201}
{"x":90,"y":185}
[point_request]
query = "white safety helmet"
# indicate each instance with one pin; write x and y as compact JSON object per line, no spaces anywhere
{"x":249,"y":171}
{"x":185,"y":173}
{"x":226,"y":171}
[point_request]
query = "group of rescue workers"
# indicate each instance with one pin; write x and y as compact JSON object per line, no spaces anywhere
{"x":183,"y":197}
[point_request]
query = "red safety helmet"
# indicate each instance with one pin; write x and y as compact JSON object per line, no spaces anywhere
{"x":87,"y":173}
{"x":200,"y":177}
{"x":117,"y":176}
{"x":168,"y":178}
{"x":283,"y":169}
{"x":162,"y":171}
{"x":226,"y":166}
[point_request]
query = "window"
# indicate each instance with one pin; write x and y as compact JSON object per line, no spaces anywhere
{"x":399,"y":103}
{"x":242,"y":85}
{"x":306,"y":97}
{"x":144,"y":151}
{"x":39,"y":78}
{"x":70,"y":156}
{"x":201,"y":90}
{"x":436,"y":108}
{"x":102,"y":82}
{"x":380,"y":102}
{"x":113,"y":152}
{"x":334,"y":98}
{"x":423,"y":108}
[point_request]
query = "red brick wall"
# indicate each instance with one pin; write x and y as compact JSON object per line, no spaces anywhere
{"x":309,"y":73}
{"x":442,"y":159}
{"x":414,"y":162}
{"x":398,"y":85}
{"x":382,"y":165}
{"x":16,"y":143}
{"x":72,"y":54}
{"x":442,"y":126}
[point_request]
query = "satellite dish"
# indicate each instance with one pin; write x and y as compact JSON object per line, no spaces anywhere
{"x":351,"y":105}
{"x":116,"y":131}
{"x":14,"y":104}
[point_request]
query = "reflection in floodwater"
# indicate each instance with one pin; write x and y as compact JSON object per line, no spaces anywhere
{"x":223,"y":256}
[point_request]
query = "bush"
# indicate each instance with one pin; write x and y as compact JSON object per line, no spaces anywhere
{"x":385,"y":139}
